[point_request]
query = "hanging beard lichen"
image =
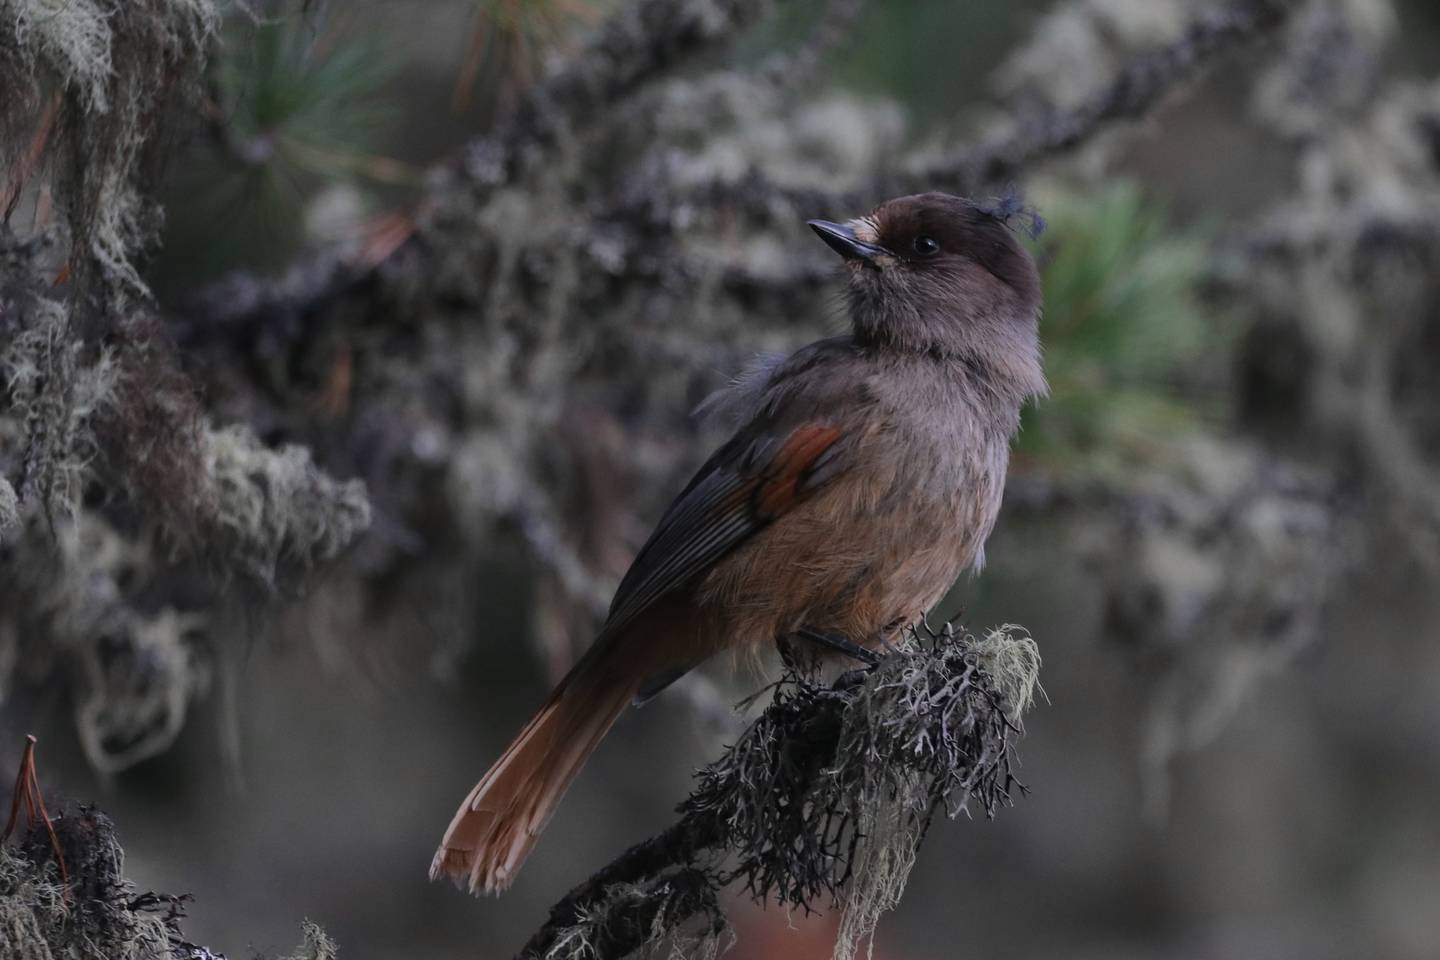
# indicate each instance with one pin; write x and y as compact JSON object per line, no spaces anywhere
{"x":114,"y":482}
{"x":923,"y":710}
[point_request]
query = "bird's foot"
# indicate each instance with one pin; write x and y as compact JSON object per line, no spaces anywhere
{"x":841,"y":644}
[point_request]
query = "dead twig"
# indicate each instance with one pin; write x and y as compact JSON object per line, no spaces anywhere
{"x":27,"y":795}
{"x":30,"y":159}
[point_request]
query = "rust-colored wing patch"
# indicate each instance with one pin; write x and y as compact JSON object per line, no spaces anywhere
{"x":783,"y":482}
{"x":746,"y":485}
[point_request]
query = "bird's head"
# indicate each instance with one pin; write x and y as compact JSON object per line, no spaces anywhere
{"x":943,"y":275}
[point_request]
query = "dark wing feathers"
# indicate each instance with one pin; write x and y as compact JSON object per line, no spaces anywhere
{"x":750,"y":481}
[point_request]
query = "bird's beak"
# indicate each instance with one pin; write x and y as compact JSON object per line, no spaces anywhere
{"x":841,"y":238}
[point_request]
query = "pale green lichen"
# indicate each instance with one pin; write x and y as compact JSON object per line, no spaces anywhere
{"x":137,"y":666}
{"x":9,"y":507}
{"x":1076,"y":47}
{"x":315,"y":944}
{"x":665,"y":904}
{"x":273,"y":510}
{"x":913,"y":739}
{"x":58,"y":395}
{"x":135,"y":671}
{"x":137,"y":688}
{"x":72,"y":37}
{"x":32,"y":903}
{"x":116,"y":64}
{"x":824,"y":799}
{"x":97,"y":914}
{"x":1012,"y":659}
{"x":107,"y":69}
{"x":92,"y":911}
{"x":892,"y":835}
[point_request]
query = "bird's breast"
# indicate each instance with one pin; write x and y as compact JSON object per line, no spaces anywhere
{"x":881,"y":543}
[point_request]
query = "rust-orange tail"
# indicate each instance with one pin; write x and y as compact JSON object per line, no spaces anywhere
{"x":500,"y":821}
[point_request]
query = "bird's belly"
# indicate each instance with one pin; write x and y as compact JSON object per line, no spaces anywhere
{"x":856,"y":567}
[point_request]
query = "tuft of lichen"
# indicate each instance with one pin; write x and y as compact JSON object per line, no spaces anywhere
{"x":273,"y":511}
{"x":58,"y":393}
{"x":653,"y":913}
{"x":32,"y":905}
{"x":90,"y":910}
{"x":315,"y":944}
{"x":926,"y":732}
{"x":1076,"y":48}
{"x":1011,"y":658}
{"x":73,"y":39}
{"x":9,"y":507}
{"x":136,"y":687}
{"x":94,"y":911}
{"x":117,"y":65}
{"x":109,"y":71}
{"x":132,"y":668}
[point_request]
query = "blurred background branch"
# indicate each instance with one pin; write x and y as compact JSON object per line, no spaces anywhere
{"x":1136,"y":89}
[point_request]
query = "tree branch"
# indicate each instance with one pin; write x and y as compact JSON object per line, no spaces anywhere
{"x":638,"y":44}
{"x":622,"y":57}
{"x":825,"y":797}
{"x":1131,"y":95}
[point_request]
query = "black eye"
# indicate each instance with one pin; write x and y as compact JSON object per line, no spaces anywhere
{"x":925,"y":246}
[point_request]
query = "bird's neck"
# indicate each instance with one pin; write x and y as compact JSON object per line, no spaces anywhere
{"x":999,"y":348}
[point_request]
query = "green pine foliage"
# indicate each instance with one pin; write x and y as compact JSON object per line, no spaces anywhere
{"x":1131,"y":349}
{"x":509,"y":39}
{"x":296,"y":95}
{"x":299,"y":103}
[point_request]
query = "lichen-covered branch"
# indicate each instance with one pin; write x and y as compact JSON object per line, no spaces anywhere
{"x":823,"y":799}
{"x":637,"y":45}
{"x":1134,"y":91}
{"x":114,"y":479}
{"x":639,"y":42}
{"x":1036,"y":132}
{"x":66,"y":895}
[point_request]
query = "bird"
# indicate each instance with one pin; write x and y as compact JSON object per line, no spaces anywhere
{"x":863,"y":476}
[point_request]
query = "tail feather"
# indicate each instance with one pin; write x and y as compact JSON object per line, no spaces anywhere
{"x":498,"y":824}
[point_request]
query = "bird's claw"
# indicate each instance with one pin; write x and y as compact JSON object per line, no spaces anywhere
{"x":834,"y":642}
